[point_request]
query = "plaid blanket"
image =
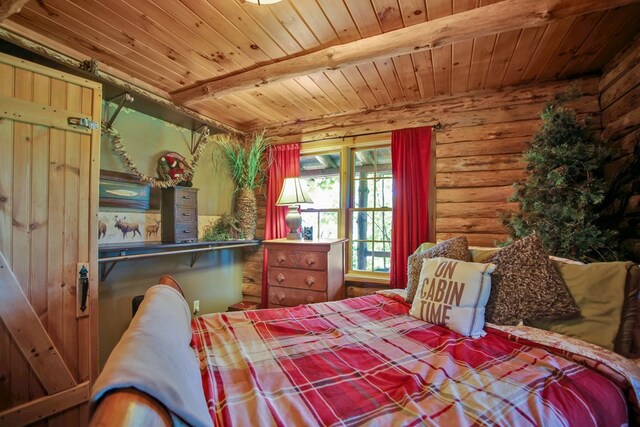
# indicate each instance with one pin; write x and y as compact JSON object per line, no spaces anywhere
{"x":366,"y":361}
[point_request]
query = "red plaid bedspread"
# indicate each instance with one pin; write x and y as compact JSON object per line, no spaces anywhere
{"x":366,"y":361}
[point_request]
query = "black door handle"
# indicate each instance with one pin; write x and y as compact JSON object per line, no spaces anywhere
{"x":84,"y":285}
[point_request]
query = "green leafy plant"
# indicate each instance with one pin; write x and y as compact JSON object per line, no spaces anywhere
{"x":561,"y":197}
{"x":246,"y":162}
{"x":225,"y":228}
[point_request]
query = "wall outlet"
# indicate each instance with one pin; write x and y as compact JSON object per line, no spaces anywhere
{"x":196,"y":307}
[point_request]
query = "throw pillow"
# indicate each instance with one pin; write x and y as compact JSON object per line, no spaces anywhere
{"x":480,"y":253}
{"x":599,"y":291}
{"x":526,"y":285}
{"x":453,"y":294}
{"x":455,"y":248}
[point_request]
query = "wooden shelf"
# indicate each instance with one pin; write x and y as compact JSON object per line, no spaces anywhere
{"x":109,"y":255}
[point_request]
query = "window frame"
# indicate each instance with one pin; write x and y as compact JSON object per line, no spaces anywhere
{"x":345,"y":146}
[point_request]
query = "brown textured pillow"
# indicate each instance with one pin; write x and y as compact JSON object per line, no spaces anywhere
{"x":526,"y":285}
{"x":455,"y":248}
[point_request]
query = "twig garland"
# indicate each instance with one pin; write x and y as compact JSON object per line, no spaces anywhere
{"x":118,"y":146}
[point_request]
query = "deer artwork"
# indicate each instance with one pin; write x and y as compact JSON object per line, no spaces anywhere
{"x":152,"y":229}
{"x":102,"y":229}
{"x":127,"y":227}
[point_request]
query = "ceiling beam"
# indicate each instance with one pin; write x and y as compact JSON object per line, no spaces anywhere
{"x":9,"y":7}
{"x":499,"y":17}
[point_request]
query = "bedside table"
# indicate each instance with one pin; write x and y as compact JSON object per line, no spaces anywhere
{"x":304,"y":271}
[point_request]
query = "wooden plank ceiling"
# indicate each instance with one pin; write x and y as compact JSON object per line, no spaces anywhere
{"x":175,"y":44}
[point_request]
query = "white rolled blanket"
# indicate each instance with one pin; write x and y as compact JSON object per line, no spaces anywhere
{"x":154,"y":356}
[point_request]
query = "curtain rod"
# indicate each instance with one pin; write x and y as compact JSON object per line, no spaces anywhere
{"x":437,"y":126}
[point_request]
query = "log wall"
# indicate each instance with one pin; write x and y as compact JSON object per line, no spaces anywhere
{"x":478,"y":161}
{"x":478,"y":149}
{"x":620,"y":103}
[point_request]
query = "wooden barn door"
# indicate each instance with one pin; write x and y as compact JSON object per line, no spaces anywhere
{"x":48,"y":232}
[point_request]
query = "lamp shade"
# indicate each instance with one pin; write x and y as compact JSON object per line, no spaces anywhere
{"x":293,"y":193}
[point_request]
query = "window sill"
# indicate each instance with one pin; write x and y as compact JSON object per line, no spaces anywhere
{"x":374,"y":279}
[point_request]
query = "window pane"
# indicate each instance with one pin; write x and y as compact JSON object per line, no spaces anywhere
{"x":381,"y":256}
{"x":322,"y":174}
{"x":384,"y":195}
{"x":363,"y":163}
{"x":382,"y":226}
{"x":364,"y":193}
{"x":325,"y":224}
{"x":383,"y":162}
{"x":310,"y":219}
{"x":328,"y":228}
{"x":361,"y":258}
{"x":361,"y":225}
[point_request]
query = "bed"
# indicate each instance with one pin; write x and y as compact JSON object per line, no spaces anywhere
{"x":359,"y":361}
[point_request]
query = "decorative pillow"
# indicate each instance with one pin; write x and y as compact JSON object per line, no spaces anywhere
{"x":480,"y":254}
{"x":423,"y":247}
{"x":455,"y":248}
{"x":526,"y":285}
{"x":599,"y":291}
{"x":453,"y":293}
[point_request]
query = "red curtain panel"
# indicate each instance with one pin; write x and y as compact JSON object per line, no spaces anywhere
{"x":410,"y":158}
{"x":285,"y":164}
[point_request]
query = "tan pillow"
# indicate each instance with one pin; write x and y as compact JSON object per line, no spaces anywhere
{"x":453,"y":294}
{"x":480,"y":254}
{"x":599,"y":291}
{"x":454,"y":248}
{"x":423,"y":247}
{"x":526,"y":285}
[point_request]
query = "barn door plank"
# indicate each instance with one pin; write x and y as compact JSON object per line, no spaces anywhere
{"x":29,"y":334}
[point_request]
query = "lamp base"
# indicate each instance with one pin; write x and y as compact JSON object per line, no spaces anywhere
{"x":294,"y":221}
{"x":294,"y":236}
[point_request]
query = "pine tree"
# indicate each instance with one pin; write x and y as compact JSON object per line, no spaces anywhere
{"x":564,"y":188}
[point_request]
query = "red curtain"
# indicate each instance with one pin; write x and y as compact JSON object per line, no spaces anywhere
{"x":285,"y":164}
{"x":410,"y":158}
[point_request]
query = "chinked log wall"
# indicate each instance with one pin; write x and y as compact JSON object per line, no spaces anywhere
{"x":620,"y":103}
{"x":478,"y":154}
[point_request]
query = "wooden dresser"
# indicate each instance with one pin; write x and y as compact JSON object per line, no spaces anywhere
{"x":304,"y":272}
{"x":180,"y":215}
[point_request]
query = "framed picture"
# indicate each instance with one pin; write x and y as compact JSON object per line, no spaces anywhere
{"x":123,"y":190}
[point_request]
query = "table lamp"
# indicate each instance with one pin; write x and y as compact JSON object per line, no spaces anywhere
{"x":293,"y":195}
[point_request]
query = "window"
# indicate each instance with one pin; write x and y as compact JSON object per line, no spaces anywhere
{"x":370,"y":212}
{"x":322,"y":174}
{"x":351,"y":187}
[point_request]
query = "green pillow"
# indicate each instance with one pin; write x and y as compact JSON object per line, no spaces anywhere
{"x":479,"y":254}
{"x":423,"y":247}
{"x":599,"y":291}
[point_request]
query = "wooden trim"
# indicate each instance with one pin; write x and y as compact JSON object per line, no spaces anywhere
{"x":129,"y":408}
{"x":507,"y":15}
{"x":9,"y":7}
{"x":45,"y":407}
{"x":37,"y":43}
{"x":29,"y":334}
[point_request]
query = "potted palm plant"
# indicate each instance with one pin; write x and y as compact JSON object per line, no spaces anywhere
{"x":248,"y":164}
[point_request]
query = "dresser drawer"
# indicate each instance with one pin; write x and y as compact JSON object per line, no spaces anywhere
{"x":290,"y":297}
{"x":186,"y":198}
{"x":185,"y":214}
{"x":298,"y":259}
{"x":186,"y":232}
{"x":313,"y":280}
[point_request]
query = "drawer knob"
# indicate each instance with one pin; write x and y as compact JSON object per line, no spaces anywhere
{"x":186,"y":231}
{"x":280,"y":277}
{"x":281,"y":258}
{"x":309,"y":300}
{"x":186,"y":197}
{"x":311,"y":261}
{"x":280,"y":297}
{"x":186,"y":214}
{"x":310,"y":281}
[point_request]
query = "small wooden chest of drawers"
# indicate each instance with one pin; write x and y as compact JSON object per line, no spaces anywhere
{"x":304,"y":272}
{"x":179,"y":215}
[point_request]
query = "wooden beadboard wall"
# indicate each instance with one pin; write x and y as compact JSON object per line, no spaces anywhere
{"x":477,"y":160}
{"x":620,"y":103}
